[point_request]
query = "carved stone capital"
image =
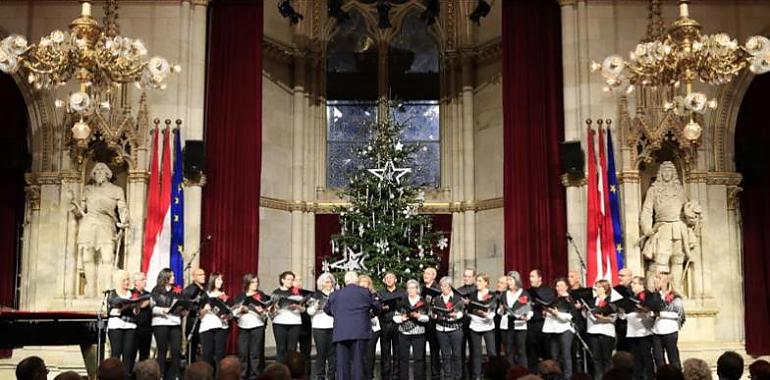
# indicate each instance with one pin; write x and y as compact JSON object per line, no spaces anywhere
{"x":48,"y":178}
{"x":733,"y":197}
{"x":196,"y":180}
{"x":572,"y":181}
{"x":724,"y":178}
{"x":32,"y":193}
{"x":70,"y":177}
{"x":630,"y":176}
{"x":135,"y":176}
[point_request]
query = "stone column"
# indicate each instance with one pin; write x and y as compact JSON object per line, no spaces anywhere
{"x":136,"y":197}
{"x":297,"y":166}
{"x":69,"y":276}
{"x":30,"y":240}
{"x":469,"y":196}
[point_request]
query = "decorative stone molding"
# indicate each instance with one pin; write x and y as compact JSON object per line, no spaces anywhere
{"x":199,"y":181}
{"x":714,"y":178}
{"x":733,"y":197}
{"x":48,"y":178}
{"x":702,"y":313}
{"x":138,"y":176}
{"x":428,"y":207}
{"x":32,"y":191}
{"x":278,"y":51}
{"x":69,"y":177}
{"x":571,"y":181}
{"x":631,"y":176}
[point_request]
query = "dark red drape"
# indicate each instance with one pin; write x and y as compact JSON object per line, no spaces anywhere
{"x":233,"y":138}
{"x":327,"y":225}
{"x":752,"y":137}
{"x":533,"y":124}
{"x":13,"y":142}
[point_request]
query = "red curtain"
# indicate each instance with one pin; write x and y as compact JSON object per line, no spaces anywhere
{"x":752,"y":137}
{"x":13,"y":143}
{"x":533,"y":123}
{"x":327,"y":225}
{"x":233,"y":137}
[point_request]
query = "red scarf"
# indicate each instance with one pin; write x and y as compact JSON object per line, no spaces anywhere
{"x":669,"y":297}
{"x":295,"y":291}
{"x":523,"y":299}
{"x":602,"y":303}
{"x":177,"y":289}
{"x":257,"y":296}
{"x":449,"y":304}
{"x":223,"y":297}
{"x":487,"y":296}
{"x":134,"y":295}
{"x":642,"y":296}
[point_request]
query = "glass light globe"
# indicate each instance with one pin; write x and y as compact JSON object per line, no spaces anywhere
{"x":57,"y":36}
{"x":158,"y":66}
{"x":15,"y":44}
{"x":79,"y":101}
{"x":81,"y":130}
{"x":692,"y":131}
{"x":757,"y":45}
{"x":613,"y":65}
{"x":696,"y":101}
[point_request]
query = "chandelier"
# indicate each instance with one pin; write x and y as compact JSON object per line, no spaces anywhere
{"x":679,"y":58}
{"x":96,"y":56}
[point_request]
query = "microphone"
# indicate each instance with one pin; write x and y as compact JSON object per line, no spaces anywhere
{"x":569,"y":237}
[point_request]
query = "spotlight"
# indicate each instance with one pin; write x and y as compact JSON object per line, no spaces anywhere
{"x":431,"y":12}
{"x":482,"y":10}
{"x":287,"y":11}
{"x":383,"y":10}
{"x":334,"y":9}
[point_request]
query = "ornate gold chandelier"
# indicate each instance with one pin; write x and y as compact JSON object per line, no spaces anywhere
{"x":679,"y":58}
{"x":97,"y":56}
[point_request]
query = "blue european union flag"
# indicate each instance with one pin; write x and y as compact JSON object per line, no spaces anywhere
{"x":612,"y":181}
{"x":177,"y":211}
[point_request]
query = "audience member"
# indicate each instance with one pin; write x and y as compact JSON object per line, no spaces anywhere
{"x":730,"y":366}
{"x":581,"y":376}
{"x":759,"y":370}
{"x":147,"y":369}
{"x":276,"y":371}
{"x":296,"y":363}
{"x":31,"y":368}
{"x":623,"y":360}
{"x":230,"y":368}
{"x":669,"y":372}
{"x":696,"y":369}
{"x":618,"y":373}
{"x":497,"y":367}
{"x":69,"y":375}
{"x":199,"y":371}
{"x":112,"y":369}
{"x":517,"y":372}
{"x":531,"y":377}
{"x":550,"y":370}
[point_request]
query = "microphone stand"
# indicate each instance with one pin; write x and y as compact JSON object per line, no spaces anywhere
{"x":583,"y":269}
{"x":100,"y":327}
{"x":188,"y":266}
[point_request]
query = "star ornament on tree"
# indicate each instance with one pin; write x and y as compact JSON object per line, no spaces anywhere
{"x":390,"y":172}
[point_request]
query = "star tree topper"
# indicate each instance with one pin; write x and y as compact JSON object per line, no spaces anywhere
{"x":390,"y":172}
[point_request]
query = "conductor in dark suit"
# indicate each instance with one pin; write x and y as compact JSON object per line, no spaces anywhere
{"x":350,"y":308}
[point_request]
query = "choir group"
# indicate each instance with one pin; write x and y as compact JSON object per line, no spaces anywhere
{"x":576,"y":326}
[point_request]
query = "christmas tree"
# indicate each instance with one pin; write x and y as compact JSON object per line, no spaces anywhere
{"x":381,"y":229}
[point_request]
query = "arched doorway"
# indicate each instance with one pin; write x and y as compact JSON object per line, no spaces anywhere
{"x":14,"y":162}
{"x":752,"y":160}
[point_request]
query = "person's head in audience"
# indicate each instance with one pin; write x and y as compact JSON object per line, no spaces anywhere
{"x":730,"y":366}
{"x":623,"y":360}
{"x":548,"y":368}
{"x":668,"y":372}
{"x":760,"y":370}
{"x":112,"y":369}
{"x":31,"y":368}
{"x":618,"y":374}
{"x":530,"y":377}
{"x":69,"y":375}
{"x":696,"y":369}
{"x":199,"y":371}
{"x":581,"y":376}
{"x":230,"y":368}
{"x":517,"y":372}
{"x":296,"y":363}
{"x":497,"y":367}
{"x":276,"y":371}
{"x":147,"y":370}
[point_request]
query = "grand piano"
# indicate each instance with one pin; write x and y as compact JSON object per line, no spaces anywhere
{"x":55,"y":328}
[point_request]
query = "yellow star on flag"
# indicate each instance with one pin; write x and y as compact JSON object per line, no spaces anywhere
{"x":619,"y":248}
{"x":613,"y":189}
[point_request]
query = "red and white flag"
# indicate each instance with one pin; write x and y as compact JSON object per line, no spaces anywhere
{"x":600,"y":243}
{"x":157,"y":228}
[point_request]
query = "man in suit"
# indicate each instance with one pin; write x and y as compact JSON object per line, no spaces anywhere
{"x":352,"y":329}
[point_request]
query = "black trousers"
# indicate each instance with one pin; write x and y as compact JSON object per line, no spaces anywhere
{"x":515,"y":343}
{"x":142,"y":342}
{"x":451,"y":344}
{"x":489,"y":342}
{"x":621,"y":344}
{"x":642,"y":350}
{"x":286,"y":339}
{"x":561,"y":351}
{"x":416,"y":343}
{"x":213,"y":346}
{"x":435,"y":355}
{"x":251,"y":352}
{"x":537,"y":345}
{"x":465,"y":351}
{"x":122,"y":346}
{"x":388,"y":351}
{"x":168,"y":339}
{"x":668,"y":344}
{"x":369,"y":357}
{"x":306,"y":342}
{"x":601,"y":348}
{"x":325,"y":365}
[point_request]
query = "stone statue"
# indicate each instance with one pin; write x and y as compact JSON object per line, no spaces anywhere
{"x":103,"y":216}
{"x":668,"y":222}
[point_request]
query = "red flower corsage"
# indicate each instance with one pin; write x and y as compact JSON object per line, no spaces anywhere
{"x":487,"y":296}
{"x":257,"y":296}
{"x":418,"y":304}
{"x":642,"y":296}
{"x":669,"y":297}
{"x":602,"y":303}
{"x":177,"y":289}
{"x":295,"y":291}
{"x":523,"y":299}
{"x":449,"y":304}
{"x":134,"y":295}
{"x":223,"y":297}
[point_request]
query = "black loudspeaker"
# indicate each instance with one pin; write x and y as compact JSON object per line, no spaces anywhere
{"x":572,"y":159}
{"x":193,"y":157}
